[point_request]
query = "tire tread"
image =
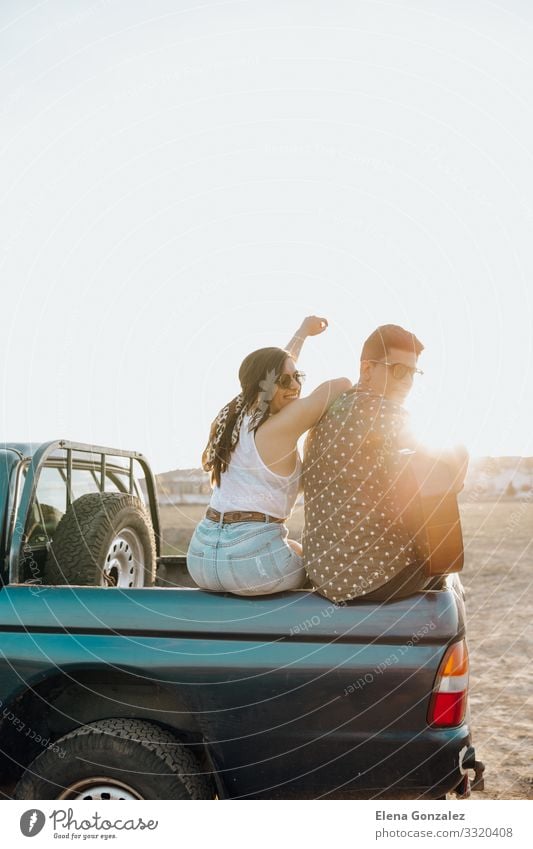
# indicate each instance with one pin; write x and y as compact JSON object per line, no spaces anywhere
{"x":178,"y":761}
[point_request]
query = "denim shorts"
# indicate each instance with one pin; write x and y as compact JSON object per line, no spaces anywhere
{"x":245,"y":558}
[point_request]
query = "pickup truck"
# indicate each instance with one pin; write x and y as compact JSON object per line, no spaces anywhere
{"x":121,"y":680}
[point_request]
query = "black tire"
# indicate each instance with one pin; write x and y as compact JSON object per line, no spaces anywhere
{"x":112,"y":759}
{"x":82,"y":550}
{"x":42,"y":530}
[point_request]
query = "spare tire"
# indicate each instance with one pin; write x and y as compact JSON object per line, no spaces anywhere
{"x":116,"y":759}
{"x":104,"y":539}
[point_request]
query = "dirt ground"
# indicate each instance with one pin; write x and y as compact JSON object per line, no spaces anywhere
{"x":498,"y":580}
{"x":497,"y":577}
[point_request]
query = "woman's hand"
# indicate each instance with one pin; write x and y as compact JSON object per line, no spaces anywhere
{"x":313,"y":325}
{"x":310,"y":326}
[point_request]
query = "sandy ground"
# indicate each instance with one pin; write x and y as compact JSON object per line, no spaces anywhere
{"x":497,"y":577}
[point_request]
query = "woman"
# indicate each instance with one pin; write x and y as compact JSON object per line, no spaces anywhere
{"x":242,"y":546}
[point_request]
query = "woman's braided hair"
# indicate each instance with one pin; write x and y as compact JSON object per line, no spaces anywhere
{"x":257,"y":376}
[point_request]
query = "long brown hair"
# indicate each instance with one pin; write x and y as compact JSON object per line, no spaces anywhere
{"x":257,"y":375}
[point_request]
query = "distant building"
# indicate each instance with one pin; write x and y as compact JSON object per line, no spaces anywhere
{"x":184,"y":486}
{"x":499,"y":477}
{"x":488,"y":478}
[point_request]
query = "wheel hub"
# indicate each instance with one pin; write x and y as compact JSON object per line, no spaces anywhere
{"x":100,"y":788}
{"x":124,"y":562}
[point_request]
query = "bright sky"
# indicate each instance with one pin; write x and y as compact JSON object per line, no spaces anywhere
{"x":182,"y":183}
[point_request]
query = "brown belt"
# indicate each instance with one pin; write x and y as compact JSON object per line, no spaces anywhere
{"x":241,"y":516}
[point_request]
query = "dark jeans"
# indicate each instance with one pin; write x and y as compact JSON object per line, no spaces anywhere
{"x":410,"y":580}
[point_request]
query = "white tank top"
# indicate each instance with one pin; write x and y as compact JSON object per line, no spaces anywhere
{"x":248,"y":484}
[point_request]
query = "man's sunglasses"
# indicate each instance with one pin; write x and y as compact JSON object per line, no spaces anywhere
{"x":284,"y":381}
{"x":399,"y":370}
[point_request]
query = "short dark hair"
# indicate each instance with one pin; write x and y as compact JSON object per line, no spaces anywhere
{"x":388,"y":336}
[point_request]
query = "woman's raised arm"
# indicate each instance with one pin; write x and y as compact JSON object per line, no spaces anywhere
{"x":310,"y":326}
{"x":300,"y":415}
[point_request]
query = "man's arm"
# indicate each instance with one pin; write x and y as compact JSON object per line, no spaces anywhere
{"x":310,"y":326}
{"x":455,"y":458}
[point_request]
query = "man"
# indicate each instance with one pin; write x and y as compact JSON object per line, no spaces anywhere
{"x":354,"y":543}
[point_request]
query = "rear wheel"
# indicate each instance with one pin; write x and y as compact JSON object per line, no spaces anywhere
{"x":115,"y":759}
{"x":104,"y":539}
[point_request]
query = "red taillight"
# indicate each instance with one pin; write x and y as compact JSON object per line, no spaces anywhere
{"x":448,"y":702}
{"x":448,"y":708}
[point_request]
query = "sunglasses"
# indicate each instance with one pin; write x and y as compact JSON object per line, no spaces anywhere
{"x":399,"y":370}
{"x":284,"y":381}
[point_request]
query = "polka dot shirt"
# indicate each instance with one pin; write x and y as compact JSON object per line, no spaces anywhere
{"x":353,"y":541}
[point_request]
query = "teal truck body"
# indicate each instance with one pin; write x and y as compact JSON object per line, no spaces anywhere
{"x":269,"y":697}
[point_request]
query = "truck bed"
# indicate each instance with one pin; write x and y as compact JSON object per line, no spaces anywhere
{"x":287,"y":693}
{"x":298,"y":615}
